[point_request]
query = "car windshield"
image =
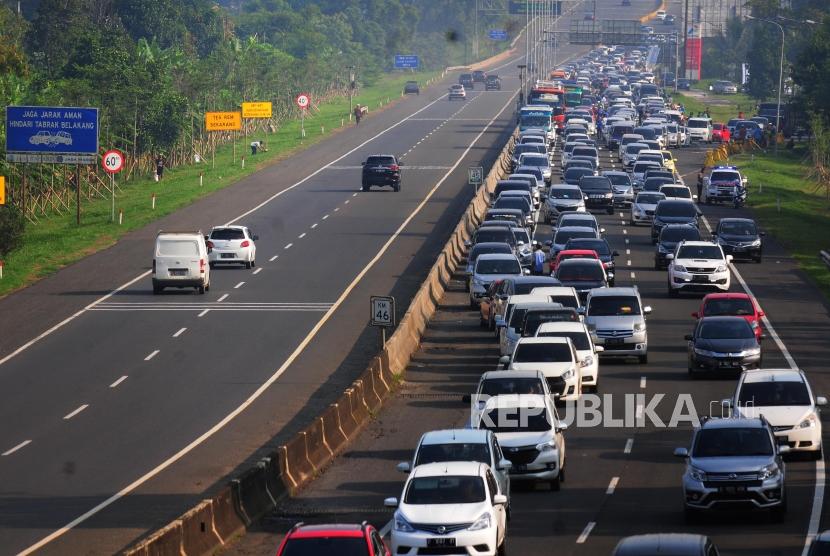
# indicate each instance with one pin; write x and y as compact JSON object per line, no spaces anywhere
{"x":380,"y":161}
{"x":634,"y":148}
{"x":534,"y":319}
{"x":728,"y":307}
{"x":738,"y":228}
{"x":542,"y":353}
{"x":676,"y":235}
{"x":563,"y":236}
{"x":697,"y":123}
{"x":677,"y":209}
{"x":573,"y":174}
{"x":614,"y":306}
{"x":641,"y":167}
{"x":479,"y":250}
{"x":513,"y":419}
{"x":774,"y":393}
{"x":456,"y":451}
{"x":732,"y":329}
{"x":446,"y":489}
{"x":516,"y":317}
{"x":649,"y":199}
{"x":528,"y":148}
{"x":535,"y":121}
{"x":619,"y":179}
{"x":557,"y":193}
{"x":535,"y":160}
{"x":495,"y":235}
{"x":573,"y":219}
{"x":595,"y":183}
{"x":227,"y":234}
{"x":724,"y":176}
{"x":512,"y":202}
{"x":498,"y":266}
{"x":598,"y":245}
{"x":579,"y":339}
{"x":700,"y":252}
{"x":566,"y":301}
{"x":523,"y":288}
{"x":502,"y":386}
{"x":314,"y":546}
{"x":677,"y":192}
{"x":731,"y":442}
{"x":584,"y":151}
{"x":576,"y":270}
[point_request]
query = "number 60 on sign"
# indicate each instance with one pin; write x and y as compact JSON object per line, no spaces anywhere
{"x":383,"y":311}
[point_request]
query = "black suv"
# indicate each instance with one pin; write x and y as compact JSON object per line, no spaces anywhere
{"x":479,"y":76}
{"x":492,"y":83}
{"x":411,"y":88}
{"x":669,"y":237}
{"x":466,"y":79}
{"x":597,"y":192}
{"x":671,"y":211}
{"x":740,"y":237}
{"x":382,"y":170}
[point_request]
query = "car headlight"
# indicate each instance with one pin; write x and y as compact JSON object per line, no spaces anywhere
{"x":750,"y":352}
{"x":637,"y":210}
{"x":704,"y":352}
{"x":639,"y":326}
{"x":721,"y":268}
{"x":591,"y":326}
{"x":609,"y":195}
{"x":679,"y":268}
{"x":483,"y":522}
{"x":769,"y":471}
{"x":587,"y":362}
{"x":403,"y":525}
{"x":697,"y":474}
{"x":808,"y":422}
{"x":756,"y":243}
{"x":568,"y":374}
{"x":546,"y":446}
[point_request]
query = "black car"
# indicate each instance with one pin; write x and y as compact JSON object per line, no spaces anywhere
{"x":673,"y":211}
{"x":382,"y":170}
{"x":492,"y":83}
{"x":740,"y":238}
{"x":669,"y":20}
{"x":723,"y":344}
{"x":668,"y":239}
{"x":534,"y":318}
{"x":573,"y":175}
{"x":597,"y":192}
{"x":583,"y":275}
{"x":684,"y":84}
{"x":466,"y":79}
{"x":411,"y":88}
{"x":603,"y":250}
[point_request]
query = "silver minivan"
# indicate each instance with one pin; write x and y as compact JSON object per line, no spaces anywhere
{"x":180,"y":260}
{"x":616,"y":319}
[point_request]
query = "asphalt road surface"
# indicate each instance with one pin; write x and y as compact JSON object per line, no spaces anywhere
{"x":620,"y":481}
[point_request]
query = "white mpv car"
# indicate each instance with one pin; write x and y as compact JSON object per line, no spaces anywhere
{"x":555,"y":357}
{"x":584,"y":345}
{"x":698,"y":266}
{"x":449,"y":508}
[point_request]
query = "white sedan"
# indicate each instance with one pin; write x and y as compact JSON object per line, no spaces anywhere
{"x":231,"y":245}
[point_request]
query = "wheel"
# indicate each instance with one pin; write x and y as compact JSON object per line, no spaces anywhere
{"x":396,"y":187}
{"x":365,"y":188}
{"x":248,"y":264}
{"x":562,"y":471}
{"x":692,"y":372}
{"x":556,"y":484}
{"x":656,"y":265}
{"x":212,"y":265}
{"x":631,"y":222}
{"x":654,"y":241}
{"x":818,"y":454}
{"x":473,"y":304}
{"x":157,"y":289}
{"x":207,"y":287}
{"x":482,"y":323}
{"x":253,"y":262}
{"x":757,"y":259}
{"x":467,"y":287}
{"x":779,"y":513}
{"x":690,"y":515}
{"x":610,"y":210}
{"x":201,"y":290}
{"x":643,"y":359}
{"x":502,"y":550}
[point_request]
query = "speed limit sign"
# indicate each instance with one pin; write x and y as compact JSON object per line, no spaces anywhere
{"x":303,"y":100}
{"x":113,"y":161}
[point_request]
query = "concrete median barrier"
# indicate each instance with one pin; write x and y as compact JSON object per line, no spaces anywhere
{"x":226,"y":520}
{"x":164,"y":542}
{"x":199,"y":536}
{"x":252,"y":496}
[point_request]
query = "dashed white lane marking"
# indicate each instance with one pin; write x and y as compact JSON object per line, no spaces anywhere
{"x":274,"y":258}
{"x":628,"y":445}
{"x":628,"y":262}
{"x":223,"y":298}
{"x":20,"y":446}
{"x":625,"y":231}
{"x":203,"y":313}
{"x":325,"y":217}
{"x":612,"y":486}
{"x":585,"y":532}
{"x":621,"y":215}
{"x":628,"y":251}
{"x":70,"y":415}
{"x":314,"y":225}
{"x":119,"y":381}
{"x":153,"y":354}
{"x":288,"y":246}
{"x":354,"y":194}
{"x":626,"y":241}
{"x":642,"y":382}
{"x":257,"y":271}
{"x":239,"y":285}
{"x":346,"y":202}
{"x":301,"y":236}
{"x":179,"y":332}
{"x":633,"y":276}
{"x":336,"y":209}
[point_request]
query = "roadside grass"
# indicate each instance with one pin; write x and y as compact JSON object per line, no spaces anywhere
{"x":721,"y":107}
{"x":802,"y":225}
{"x":56,"y":241}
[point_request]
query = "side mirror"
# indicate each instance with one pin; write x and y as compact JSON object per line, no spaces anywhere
{"x":548,"y":243}
{"x":526,"y":271}
{"x":761,"y":314}
{"x":562,"y":427}
{"x":821,"y":401}
{"x":670,"y":257}
{"x":207,"y":238}
{"x":762,"y":234}
{"x":689,"y":337}
{"x":467,"y":243}
{"x":598,"y":349}
{"x":466,"y":398}
{"x":681,"y":453}
{"x":764,"y":336}
{"x":783,"y":449}
{"x":504,"y":360}
{"x":520,"y":243}
{"x":499,"y":499}
{"x":255,"y":238}
{"x":696,"y":315}
{"x":602,"y":230}
{"x":647,"y":310}
{"x":391,"y":502}
{"x":580,"y":310}
{"x":400,"y":163}
{"x":403,"y":467}
{"x":363,"y":163}
{"x":729,"y":258}
{"x":504,"y":465}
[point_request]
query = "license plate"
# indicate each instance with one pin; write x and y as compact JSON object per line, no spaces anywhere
{"x":613,"y":341}
{"x":732,"y":489}
{"x":441,"y":541}
{"x":700,"y":278}
{"x":520,"y":468}
{"x":178,"y":272}
{"x":227,"y":255}
{"x":727,"y":364}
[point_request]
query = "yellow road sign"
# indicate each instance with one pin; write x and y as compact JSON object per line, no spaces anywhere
{"x":256,"y":109}
{"x":223,"y":121}
{"x":2,"y":190}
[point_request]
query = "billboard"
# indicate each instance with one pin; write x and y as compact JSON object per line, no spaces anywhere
{"x":406,"y":61}
{"x":256,"y":109}
{"x":497,"y":34}
{"x":223,"y":121}
{"x":521,"y":7}
{"x":52,"y":134}
{"x":694,"y":55}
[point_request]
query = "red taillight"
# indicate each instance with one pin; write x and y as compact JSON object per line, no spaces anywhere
{"x":394,"y":167}
{"x":202,"y":266}
{"x":245,"y":243}
{"x":210,"y":245}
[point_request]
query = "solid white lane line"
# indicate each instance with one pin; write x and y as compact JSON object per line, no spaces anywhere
{"x":257,"y":271}
{"x":203,"y":313}
{"x":239,"y":285}
{"x":274,"y":258}
{"x":815,"y":512}
{"x":585,"y":532}
{"x":288,"y":246}
{"x":301,"y":236}
{"x":120,"y":380}
{"x":642,"y":382}
{"x":223,"y":298}
{"x":314,"y":225}
{"x":70,"y":415}
{"x":287,"y":363}
{"x":385,"y":529}
{"x":16,"y":448}
{"x":179,"y":332}
{"x":621,"y":215}
{"x":628,"y":445}
{"x":612,"y":486}
{"x":324,"y":217}
{"x":156,"y":352}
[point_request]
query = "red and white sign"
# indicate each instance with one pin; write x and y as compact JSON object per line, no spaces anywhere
{"x":113,"y":161}
{"x":694,"y":57}
{"x":303,"y":100}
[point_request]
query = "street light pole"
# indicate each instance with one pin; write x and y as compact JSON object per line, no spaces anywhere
{"x":780,"y":79}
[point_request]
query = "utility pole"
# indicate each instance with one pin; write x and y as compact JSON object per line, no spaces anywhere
{"x":676,"y":59}
{"x":475,"y":37}
{"x":352,"y":78}
{"x":685,"y":33}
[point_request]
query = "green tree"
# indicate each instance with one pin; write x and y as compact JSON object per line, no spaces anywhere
{"x":812,"y":71}
{"x":763,"y":58}
{"x":12,"y":226}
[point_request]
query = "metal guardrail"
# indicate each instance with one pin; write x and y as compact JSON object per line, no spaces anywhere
{"x":825,"y":256}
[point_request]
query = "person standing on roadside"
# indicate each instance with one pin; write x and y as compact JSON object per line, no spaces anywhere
{"x":159,"y":167}
{"x":358,"y":113}
{"x":538,"y":260}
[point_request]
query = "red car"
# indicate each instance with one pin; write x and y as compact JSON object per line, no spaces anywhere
{"x":720,"y":133}
{"x":341,"y":539}
{"x":572,"y":254}
{"x":732,"y":304}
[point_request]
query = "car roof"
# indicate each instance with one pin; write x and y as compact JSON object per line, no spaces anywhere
{"x":725,"y":295}
{"x":670,"y":544}
{"x":734,"y":423}
{"x":512,"y":374}
{"x":342,"y":530}
{"x":526,"y":299}
{"x":543,"y":340}
{"x":617,"y":290}
{"x":468,"y":468}
{"x":773,"y":375}
{"x":497,"y":257}
{"x":563,"y":326}
{"x":235,"y":227}
{"x":516,"y":400}
{"x":454,"y":436}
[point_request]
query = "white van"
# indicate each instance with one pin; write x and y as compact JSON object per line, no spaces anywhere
{"x":180,"y":260}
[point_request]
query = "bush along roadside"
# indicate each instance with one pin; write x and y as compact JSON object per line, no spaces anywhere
{"x":56,"y":241}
